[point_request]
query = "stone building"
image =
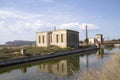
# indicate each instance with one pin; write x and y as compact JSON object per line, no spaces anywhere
{"x":62,"y":38}
{"x":99,"y":37}
{"x":92,"y":41}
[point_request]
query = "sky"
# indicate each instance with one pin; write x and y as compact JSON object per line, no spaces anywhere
{"x":21,"y":19}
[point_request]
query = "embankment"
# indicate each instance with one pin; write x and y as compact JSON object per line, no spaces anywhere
{"x":42,"y":57}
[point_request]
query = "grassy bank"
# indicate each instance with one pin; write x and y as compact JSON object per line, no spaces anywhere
{"x":110,"y":70}
{"x":34,"y":51}
{"x":8,"y":53}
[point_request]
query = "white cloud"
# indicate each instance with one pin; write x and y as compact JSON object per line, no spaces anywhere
{"x":16,"y":22}
{"x":26,"y":26}
{"x":78,"y":26}
{"x":2,"y":22}
{"x":6,"y":13}
{"x":17,"y":14}
{"x":20,"y":21}
{"x":70,"y":25}
{"x":90,"y":26}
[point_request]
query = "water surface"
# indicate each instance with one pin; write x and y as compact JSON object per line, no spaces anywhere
{"x":60,"y":68}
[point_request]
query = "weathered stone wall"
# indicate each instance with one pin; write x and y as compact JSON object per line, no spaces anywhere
{"x":42,"y":39}
{"x":61,"y":38}
{"x":73,"y":39}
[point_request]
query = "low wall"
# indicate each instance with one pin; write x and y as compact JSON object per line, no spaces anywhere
{"x":35,"y":58}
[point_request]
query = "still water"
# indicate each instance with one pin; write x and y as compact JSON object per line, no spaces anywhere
{"x":61,"y":68}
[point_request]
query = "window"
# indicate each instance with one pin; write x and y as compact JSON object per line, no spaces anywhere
{"x":43,"y":39}
{"x":57,"y":38}
{"x":39,"y":39}
{"x":51,"y":38}
{"x":61,"y":37}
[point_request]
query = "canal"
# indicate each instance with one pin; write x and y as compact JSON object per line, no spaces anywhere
{"x":60,"y":68}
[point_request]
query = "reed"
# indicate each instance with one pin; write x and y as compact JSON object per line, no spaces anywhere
{"x":110,"y":70}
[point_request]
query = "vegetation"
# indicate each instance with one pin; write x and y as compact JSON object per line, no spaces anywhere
{"x":116,"y":40}
{"x":8,"y":53}
{"x":109,"y":45}
{"x":34,"y":51}
{"x":110,"y":71}
{"x":81,"y":42}
{"x":86,"y":40}
{"x":9,"y":50}
{"x":83,"y":45}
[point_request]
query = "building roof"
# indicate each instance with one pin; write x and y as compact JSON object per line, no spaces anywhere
{"x":98,"y":34}
{"x":58,"y":30}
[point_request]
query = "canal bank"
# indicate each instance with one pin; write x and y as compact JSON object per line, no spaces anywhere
{"x":58,"y":68}
{"x":42,"y":57}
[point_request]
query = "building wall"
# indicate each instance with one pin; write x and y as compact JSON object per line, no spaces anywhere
{"x":99,"y":37}
{"x":61,"y":38}
{"x":42,"y":39}
{"x":59,"y":42}
{"x":72,"y":39}
{"x":92,"y":41}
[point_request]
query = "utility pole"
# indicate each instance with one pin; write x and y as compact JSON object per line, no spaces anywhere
{"x":86,"y":32}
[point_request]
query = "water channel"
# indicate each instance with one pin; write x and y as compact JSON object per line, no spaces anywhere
{"x":60,"y":68}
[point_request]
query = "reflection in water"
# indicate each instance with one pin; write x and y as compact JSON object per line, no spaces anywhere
{"x":87,"y":62}
{"x":65,"y":66}
{"x":100,"y":53}
{"x":61,"y":66}
{"x":109,"y":48}
{"x":24,"y":70}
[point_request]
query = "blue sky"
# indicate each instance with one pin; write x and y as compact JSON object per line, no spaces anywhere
{"x":21,"y":19}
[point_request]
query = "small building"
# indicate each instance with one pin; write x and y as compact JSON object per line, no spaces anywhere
{"x":99,"y":37}
{"x":62,"y":38}
{"x":92,"y":41}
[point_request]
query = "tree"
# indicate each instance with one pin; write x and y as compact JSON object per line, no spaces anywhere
{"x":86,"y":41}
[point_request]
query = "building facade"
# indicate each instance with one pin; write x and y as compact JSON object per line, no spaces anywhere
{"x":99,"y":37}
{"x":62,"y":38}
{"x":92,"y":41}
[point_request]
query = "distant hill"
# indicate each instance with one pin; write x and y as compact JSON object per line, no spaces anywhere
{"x":20,"y":42}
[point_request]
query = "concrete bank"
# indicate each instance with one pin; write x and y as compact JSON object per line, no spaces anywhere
{"x":42,"y":57}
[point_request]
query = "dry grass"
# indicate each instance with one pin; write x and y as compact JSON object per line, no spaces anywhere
{"x":110,"y":71}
